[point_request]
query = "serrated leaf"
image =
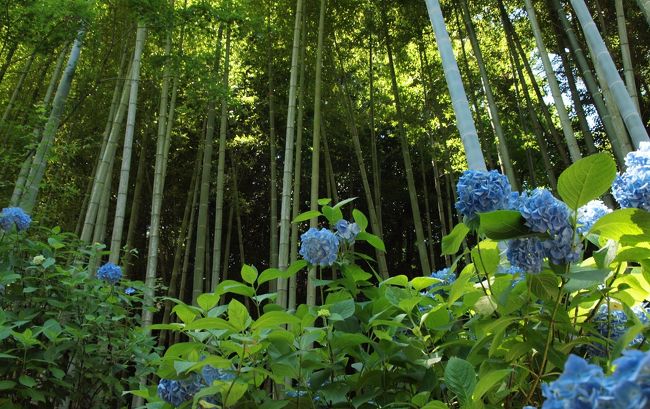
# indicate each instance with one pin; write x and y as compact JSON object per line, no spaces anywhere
{"x":581,"y":280}
{"x":274,"y":319}
{"x":460,"y":377}
{"x":452,"y":242}
{"x":238,"y":315}
{"x":586,"y":179}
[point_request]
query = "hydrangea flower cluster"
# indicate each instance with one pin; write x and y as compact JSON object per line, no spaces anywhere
{"x":613,"y":324}
{"x":110,"y":273}
{"x":514,"y":271}
{"x":14,"y":216}
{"x":590,"y":213}
{"x":446,"y":277}
{"x":543,"y":212}
{"x":480,"y":191}
{"x":319,"y":247}
{"x":546,"y":214}
{"x":129,"y":291}
{"x":584,"y":385}
{"x":526,"y":254}
{"x":347,"y":231}
{"x":176,"y":392}
{"x":632,"y":188}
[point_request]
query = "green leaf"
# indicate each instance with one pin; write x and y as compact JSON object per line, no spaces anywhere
{"x":27,"y":381}
{"x":373,"y":240}
{"x":544,"y":285}
{"x":274,"y":319}
{"x":503,"y":224}
{"x":55,"y":243}
{"x":52,"y":329}
{"x":400,"y":280}
{"x":488,"y":381}
{"x":248,"y":273}
{"x":5,"y":385}
{"x":486,"y":257}
{"x":451,"y":242}
{"x":436,"y":404}
{"x":209,"y":323}
{"x":185,"y":313}
{"x":460,"y":378}
{"x":207,"y":301}
{"x":581,"y":280}
{"x":360,"y":219}
{"x":344,"y":309}
{"x":238,"y":315}
{"x":323,"y":202}
{"x":626,"y":226}
{"x":306,"y":216}
{"x":274,"y":273}
{"x":420,"y":283}
{"x":235,"y":287}
{"x":332,"y":214}
{"x":586,"y":179}
{"x":344,"y":202}
{"x":235,"y":393}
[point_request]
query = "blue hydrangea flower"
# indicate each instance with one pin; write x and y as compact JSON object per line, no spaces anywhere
{"x":480,"y":191}
{"x":319,"y":247}
{"x":640,"y":157}
{"x":446,"y":277}
{"x":176,"y":392}
{"x":129,"y":291}
{"x":632,"y":188}
{"x":347,"y":231}
{"x":563,"y":246}
{"x":211,"y":374}
{"x":590,"y":213}
{"x":579,"y":387}
{"x":543,"y":212}
{"x":517,"y":273}
{"x":516,"y":199}
{"x":584,"y":386}
{"x":14,"y":216}
{"x":110,"y":273}
{"x":526,"y":254}
{"x":613,"y":325}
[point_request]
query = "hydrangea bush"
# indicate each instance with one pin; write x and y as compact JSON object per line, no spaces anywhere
{"x":535,"y":288}
{"x":64,"y":334}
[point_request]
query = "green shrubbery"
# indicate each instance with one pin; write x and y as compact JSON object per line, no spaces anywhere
{"x":64,"y":335}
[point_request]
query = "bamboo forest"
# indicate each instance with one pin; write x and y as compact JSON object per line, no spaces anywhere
{"x":234,"y":204}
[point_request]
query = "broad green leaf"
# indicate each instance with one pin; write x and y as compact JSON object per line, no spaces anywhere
{"x":420,"y":283}
{"x":210,"y":323}
{"x":360,"y":219}
{"x":185,"y":313}
{"x":323,"y":202}
{"x":400,"y":280}
{"x":274,"y":273}
{"x":488,"y":381}
{"x":460,"y":378}
{"x":343,"y":308}
{"x":55,"y":243}
{"x":235,"y":287}
{"x":52,"y":329}
{"x":27,"y":381}
{"x":626,"y":226}
{"x":207,"y":300}
{"x":356,"y":273}
{"x":235,"y":393}
{"x":332,"y":214}
{"x":4,"y":385}
{"x":344,"y":202}
{"x":248,"y":273}
{"x":373,"y":240}
{"x":503,"y":225}
{"x":459,"y":287}
{"x":273,"y":319}
{"x":306,"y":216}
{"x":238,"y":315}
{"x":485,"y":256}
{"x":581,"y":280}
{"x":451,"y":242}
{"x":544,"y":285}
{"x":435,"y":404}
{"x":586,"y":179}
